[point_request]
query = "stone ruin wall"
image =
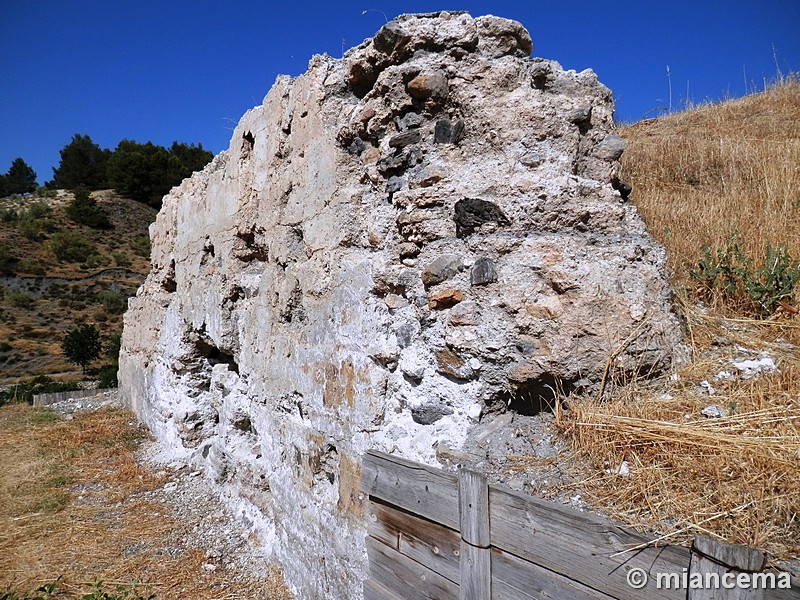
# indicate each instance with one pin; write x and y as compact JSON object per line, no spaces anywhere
{"x":395,"y":244}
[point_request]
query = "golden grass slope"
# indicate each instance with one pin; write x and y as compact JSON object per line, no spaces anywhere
{"x":701,"y":174}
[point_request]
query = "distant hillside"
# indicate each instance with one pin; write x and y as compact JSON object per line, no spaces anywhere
{"x":702,"y":174}
{"x":42,"y":296}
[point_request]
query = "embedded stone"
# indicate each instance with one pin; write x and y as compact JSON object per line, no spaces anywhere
{"x":610,"y":148}
{"x":501,"y":37}
{"x":408,"y":249}
{"x":580,"y":115}
{"x":472,"y":213}
{"x":394,"y":301}
{"x":465,"y":313}
{"x":408,"y":121}
{"x":441,"y":269}
{"x":483,"y":271}
{"x":390,"y":36}
{"x":405,"y":333}
{"x":391,"y":163}
{"x":444,"y":298}
{"x":395,"y":184}
{"x":450,"y":364}
{"x":429,"y":84}
{"x":404,"y":139}
{"x":445,"y":132}
{"x":430,"y":412}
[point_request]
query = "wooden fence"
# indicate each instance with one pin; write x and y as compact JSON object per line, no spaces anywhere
{"x":435,"y":535}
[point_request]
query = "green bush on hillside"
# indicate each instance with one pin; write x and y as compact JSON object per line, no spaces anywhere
{"x":20,"y":300}
{"x":141,"y":246}
{"x":83,"y":209}
{"x":71,"y":246}
{"x":114,"y":302}
{"x":7,"y":261}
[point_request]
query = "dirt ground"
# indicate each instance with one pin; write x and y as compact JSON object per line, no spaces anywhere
{"x":81,"y":502}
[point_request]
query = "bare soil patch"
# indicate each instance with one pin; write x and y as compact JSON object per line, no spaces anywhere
{"x":79,"y":504}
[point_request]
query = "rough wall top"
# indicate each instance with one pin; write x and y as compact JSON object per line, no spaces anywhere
{"x":455,"y":33}
{"x":395,"y":245}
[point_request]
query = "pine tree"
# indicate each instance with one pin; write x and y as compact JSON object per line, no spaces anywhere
{"x":83,"y":163}
{"x":20,"y":179}
{"x":82,"y":345}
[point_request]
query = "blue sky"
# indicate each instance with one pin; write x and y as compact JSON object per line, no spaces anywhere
{"x":187,"y":70}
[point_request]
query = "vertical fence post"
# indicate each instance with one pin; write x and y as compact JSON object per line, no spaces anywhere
{"x":475,"y":555}
{"x":713,"y":559}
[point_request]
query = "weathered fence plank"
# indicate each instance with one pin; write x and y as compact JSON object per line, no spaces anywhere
{"x":579,"y":546}
{"x":435,"y":535}
{"x":428,"y":492}
{"x":716,"y":558}
{"x":428,"y":543}
{"x":373,"y":590}
{"x":476,"y":560}
{"x":473,"y":502}
{"x":476,"y":573}
{"x":405,"y":577}
{"x":516,"y":579}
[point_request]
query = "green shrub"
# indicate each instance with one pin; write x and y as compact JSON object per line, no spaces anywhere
{"x":7,"y":261}
{"x":33,"y":230}
{"x":20,"y":300}
{"x":43,"y":192}
{"x":42,"y":384}
{"x":758,"y":286}
{"x":94,"y":261}
{"x":83,"y":210}
{"x":114,"y":302}
{"x":71,"y":246}
{"x":122,"y":259}
{"x":32,"y":266}
{"x":8,"y":215}
{"x":108,"y":377}
{"x":36,"y":210}
{"x":141,"y":246}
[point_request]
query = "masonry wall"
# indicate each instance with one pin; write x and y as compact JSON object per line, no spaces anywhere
{"x":395,"y":244}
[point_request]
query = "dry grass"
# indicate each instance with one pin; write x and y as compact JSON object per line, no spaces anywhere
{"x":733,"y":477}
{"x":697,"y":176}
{"x":735,"y":166}
{"x":72,"y":506}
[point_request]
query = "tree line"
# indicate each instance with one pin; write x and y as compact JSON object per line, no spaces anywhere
{"x":143,"y":172}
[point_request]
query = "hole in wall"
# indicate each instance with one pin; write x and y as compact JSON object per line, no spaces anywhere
{"x":244,"y":424}
{"x":249,"y":141}
{"x":216,"y":356}
{"x":169,"y":284}
{"x":533,"y":396}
